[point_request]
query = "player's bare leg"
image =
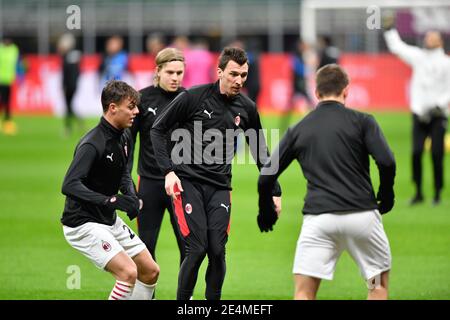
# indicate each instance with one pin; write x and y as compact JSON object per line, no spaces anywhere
{"x":306,"y":287}
{"x":147,"y":268}
{"x":147,"y":276}
{"x":380,"y":291}
{"x":125,"y":272}
{"x":122,"y":268}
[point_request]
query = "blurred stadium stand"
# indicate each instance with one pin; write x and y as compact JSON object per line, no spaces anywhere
{"x":38,"y":23}
{"x":269,"y":27}
{"x":35,"y":24}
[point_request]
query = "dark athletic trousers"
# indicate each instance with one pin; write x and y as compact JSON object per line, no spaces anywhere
{"x":203,"y":215}
{"x":5,"y":94}
{"x":435,"y":129}
{"x":68,"y":95}
{"x":156,"y":201}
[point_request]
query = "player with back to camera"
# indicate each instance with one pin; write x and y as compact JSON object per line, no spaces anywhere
{"x":341,"y":212}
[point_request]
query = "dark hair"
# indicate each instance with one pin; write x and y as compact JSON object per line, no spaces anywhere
{"x":231,"y":53}
{"x":327,"y":40}
{"x":331,"y":80}
{"x":115,"y":91}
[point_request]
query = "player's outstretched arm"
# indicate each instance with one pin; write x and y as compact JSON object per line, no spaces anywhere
{"x":409,"y":54}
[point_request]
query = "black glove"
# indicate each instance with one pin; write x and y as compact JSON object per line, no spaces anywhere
{"x":267,"y":216}
{"x":385,"y":200}
{"x":128,"y":204}
{"x":276,"y":192}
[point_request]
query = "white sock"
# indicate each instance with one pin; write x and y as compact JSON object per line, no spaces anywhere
{"x":143,"y":291}
{"x":121,"y":291}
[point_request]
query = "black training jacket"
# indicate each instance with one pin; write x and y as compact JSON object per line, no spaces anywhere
{"x":97,"y":172}
{"x":333,"y":144}
{"x":208,"y":118}
{"x":153,"y":102}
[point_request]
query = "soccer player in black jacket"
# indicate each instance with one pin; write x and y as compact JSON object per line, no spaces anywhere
{"x":332,"y":145}
{"x":92,"y":184}
{"x":198,"y":170}
{"x":154,"y":99}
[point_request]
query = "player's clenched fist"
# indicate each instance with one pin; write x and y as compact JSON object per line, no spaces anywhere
{"x":128,"y":204}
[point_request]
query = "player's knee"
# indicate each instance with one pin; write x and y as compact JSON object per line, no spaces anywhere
{"x":216,"y":252}
{"x":128,"y":273}
{"x":417,"y":152}
{"x":150,"y":273}
{"x":437,"y":153}
{"x":154,"y":271}
{"x":196,"y":254}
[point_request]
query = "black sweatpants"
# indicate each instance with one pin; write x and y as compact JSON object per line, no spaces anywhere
{"x":68,"y":95}
{"x":435,"y":129}
{"x":203,"y":215}
{"x":156,"y":201}
{"x":5,"y":95}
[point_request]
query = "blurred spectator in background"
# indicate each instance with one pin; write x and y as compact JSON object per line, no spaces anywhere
{"x":300,"y":56}
{"x":154,"y":44}
{"x":253,"y":83}
{"x":115,"y":60}
{"x":327,"y":52}
{"x":70,"y":72}
{"x":181,"y":43}
{"x":300,"y":68}
{"x":300,"y":83}
{"x":430,"y":99}
{"x":199,"y":62}
{"x":9,"y":57}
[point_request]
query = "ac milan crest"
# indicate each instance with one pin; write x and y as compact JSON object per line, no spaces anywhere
{"x":106,"y":246}
{"x":188,"y":208}
{"x":237,"y":120}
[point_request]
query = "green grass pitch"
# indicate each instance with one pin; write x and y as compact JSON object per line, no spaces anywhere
{"x":35,"y":257}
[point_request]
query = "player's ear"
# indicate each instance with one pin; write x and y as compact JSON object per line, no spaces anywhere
{"x":345,"y":92}
{"x":219,"y":73}
{"x":316,"y":93}
{"x":113,"y":107}
{"x":158,"y":70}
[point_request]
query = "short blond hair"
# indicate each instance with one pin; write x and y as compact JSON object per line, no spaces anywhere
{"x":165,"y":56}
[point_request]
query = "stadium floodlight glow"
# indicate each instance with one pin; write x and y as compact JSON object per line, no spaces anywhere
{"x":309,"y":8}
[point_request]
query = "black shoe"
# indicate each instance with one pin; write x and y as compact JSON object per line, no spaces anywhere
{"x":436,"y":200}
{"x":416,"y":200}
